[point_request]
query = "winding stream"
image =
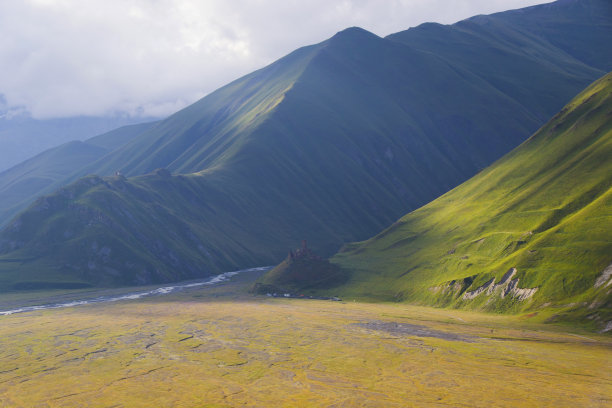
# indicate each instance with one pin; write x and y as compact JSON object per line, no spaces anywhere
{"x":164,"y":290}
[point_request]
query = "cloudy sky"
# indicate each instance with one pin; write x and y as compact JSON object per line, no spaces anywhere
{"x":63,"y":58}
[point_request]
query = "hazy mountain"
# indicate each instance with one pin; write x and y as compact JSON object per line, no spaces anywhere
{"x":22,"y":137}
{"x":330,"y":143}
{"x":22,"y":184}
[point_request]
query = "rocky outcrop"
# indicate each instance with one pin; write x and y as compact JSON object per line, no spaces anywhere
{"x":605,"y":277}
{"x":301,"y":271}
{"x":506,"y":287}
{"x":486,"y":287}
{"x":454,"y":287}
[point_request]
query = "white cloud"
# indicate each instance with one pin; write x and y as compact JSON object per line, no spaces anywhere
{"x":152,"y":57}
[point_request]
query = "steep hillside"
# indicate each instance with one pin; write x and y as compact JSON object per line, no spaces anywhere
{"x":433,"y":84}
{"x":160,"y":227}
{"x":530,"y":231}
{"x":585,"y":21}
{"x":22,"y":184}
{"x":519,"y":44}
{"x":205,"y":133}
{"x":329,"y":144}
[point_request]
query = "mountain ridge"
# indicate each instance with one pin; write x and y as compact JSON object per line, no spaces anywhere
{"x":330,"y":144}
{"x":47,"y":171}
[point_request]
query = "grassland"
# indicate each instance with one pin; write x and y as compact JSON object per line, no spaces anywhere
{"x":218,"y":347}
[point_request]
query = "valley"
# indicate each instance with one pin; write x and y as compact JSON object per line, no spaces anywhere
{"x":451,"y":188}
{"x":218,"y":346}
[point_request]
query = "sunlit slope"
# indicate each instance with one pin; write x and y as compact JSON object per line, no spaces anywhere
{"x":544,"y":209}
{"x":454,"y":83}
{"x":207,"y":132}
{"x":22,"y":184}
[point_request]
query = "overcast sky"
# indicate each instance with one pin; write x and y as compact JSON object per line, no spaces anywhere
{"x":63,"y":58}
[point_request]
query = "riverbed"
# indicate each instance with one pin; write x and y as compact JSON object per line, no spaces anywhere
{"x":159,"y":291}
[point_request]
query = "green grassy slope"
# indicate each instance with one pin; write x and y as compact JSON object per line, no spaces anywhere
{"x":22,"y":184}
{"x":159,"y":227}
{"x":544,"y":209}
{"x":329,"y":144}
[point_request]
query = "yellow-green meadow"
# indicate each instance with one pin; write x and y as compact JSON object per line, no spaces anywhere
{"x":219,"y":347}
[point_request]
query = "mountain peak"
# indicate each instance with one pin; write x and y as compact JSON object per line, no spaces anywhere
{"x":353,"y":33}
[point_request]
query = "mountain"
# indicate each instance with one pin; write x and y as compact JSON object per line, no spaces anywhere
{"x":23,"y":137}
{"x":530,"y":231}
{"x":42,"y":174}
{"x":330,"y":143}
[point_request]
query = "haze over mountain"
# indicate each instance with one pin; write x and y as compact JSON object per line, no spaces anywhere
{"x":49,"y":170}
{"x":22,"y":137}
{"x":331,"y":143}
{"x":69,"y":58}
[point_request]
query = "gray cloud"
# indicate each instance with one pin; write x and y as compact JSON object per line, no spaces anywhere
{"x":152,"y":57}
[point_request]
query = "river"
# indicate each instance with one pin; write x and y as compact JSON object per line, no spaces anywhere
{"x":163,"y":290}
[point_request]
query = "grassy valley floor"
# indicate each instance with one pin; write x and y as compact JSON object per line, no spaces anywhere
{"x":220,"y":347}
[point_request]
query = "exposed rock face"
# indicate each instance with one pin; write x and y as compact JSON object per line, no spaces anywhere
{"x":605,"y":277}
{"x":486,"y":287}
{"x":506,"y":287}
{"x":454,"y":287}
{"x":520,"y":293}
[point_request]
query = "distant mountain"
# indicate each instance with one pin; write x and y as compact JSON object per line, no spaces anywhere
{"x":330,"y":144}
{"x":22,"y":184}
{"x":22,"y":137}
{"x":530,"y":231}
